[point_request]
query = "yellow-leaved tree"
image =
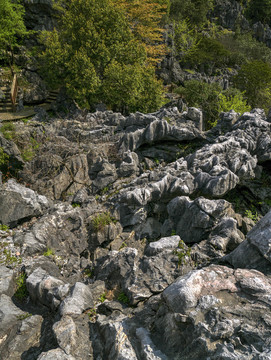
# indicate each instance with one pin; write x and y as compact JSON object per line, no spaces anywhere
{"x":145,"y":19}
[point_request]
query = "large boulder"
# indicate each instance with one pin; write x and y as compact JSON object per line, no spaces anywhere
{"x":18,"y":203}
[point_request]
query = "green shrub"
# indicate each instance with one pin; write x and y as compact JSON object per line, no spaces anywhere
{"x":49,"y":252}
{"x":232,"y":99}
{"x":4,"y":227}
{"x":97,"y":57}
{"x":183,"y":253}
{"x":4,"y":158}
{"x":209,"y":52}
{"x":254,"y":79}
{"x":194,"y":10}
{"x":8,"y":131}
{"x":123,"y":298}
{"x":244,"y":47}
{"x":101,"y":220}
{"x":21,"y":292}
{"x":259,"y":10}
{"x":212,"y":99}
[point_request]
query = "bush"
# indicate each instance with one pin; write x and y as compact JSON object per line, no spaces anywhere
{"x":259,"y":10}
{"x":232,"y":99}
{"x":212,"y":99}
{"x":254,"y":79}
{"x":209,"y":53}
{"x":101,"y":220}
{"x":194,"y":10}
{"x":4,"y":158}
{"x":244,"y":47}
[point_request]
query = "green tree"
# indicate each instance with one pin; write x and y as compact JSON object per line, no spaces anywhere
{"x":254,"y":79}
{"x":12,"y":28}
{"x":260,"y":10}
{"x":194,"y":10}
{"x":212,"y":99}
{"x":94,"y":50}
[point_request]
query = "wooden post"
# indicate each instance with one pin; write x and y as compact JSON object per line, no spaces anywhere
{"x":14,"y":92}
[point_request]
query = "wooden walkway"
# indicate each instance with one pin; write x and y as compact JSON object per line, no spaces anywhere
{"x":9,"y":116}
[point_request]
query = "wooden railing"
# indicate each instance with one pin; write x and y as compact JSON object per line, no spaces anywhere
{"x":14,"y":92}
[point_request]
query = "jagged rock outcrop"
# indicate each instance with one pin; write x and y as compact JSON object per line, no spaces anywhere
{"x":135,"y":243}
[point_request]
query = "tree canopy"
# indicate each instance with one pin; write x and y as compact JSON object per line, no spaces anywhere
{"x":11,"y":27}
{"x":194,"y":10}
{"x":254,"y":78}
{"x":95,"y":49}
{"x":260,"y":10}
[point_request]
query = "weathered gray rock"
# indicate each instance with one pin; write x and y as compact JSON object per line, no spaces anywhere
{"x":193,"y":220}
{"x":63,"y":231}
{"x":129,"y":165}
{"x":148,"y":349}
{"x":55,"y":354}
{"x":194,"y":305}
{"x":27,"y":336}
{"x":73,"y":337}
{"x":105,"y":235}
{"x":140,"y":277}
{"x":9,"y":314}
{"x":10,"y":148}
{"x":114,"y":335}
{"x":6,"y":280}
{"x":254,"y":252}
{"x":46,"y":289}
{"x":18,"y":203}
{"x":157,"y":130}
{"x":65,"y":333}
{"x":79,"y":300}
{"x":166,"y":243}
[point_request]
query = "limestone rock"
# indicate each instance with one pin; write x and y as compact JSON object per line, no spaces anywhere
{"x":18,"y":203}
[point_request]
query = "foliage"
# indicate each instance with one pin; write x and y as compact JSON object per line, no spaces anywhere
{"x":4,"y":158}
{"x":183,"y":253}
{"x":254,"y":78}
{"x":11,"y":27}
{"x":194,"y":10}
{"x":244,"y":47}
{"x":145,"y":19}
{"x":21,"y":291}
{"x":4,"y":227}
{"x":212,"y":99}
{"x":75,"y":205}
{"x":8,"y":131}
{"x":24,"y":316}
{"x":123,"y":298}
{"x":185,"y":39}
{"x":232,"y":99}
{"x":208,"y":52}
{"x":253,"y":215}
{"x":96,"y":56}
{"x":92,"y":314}
{"x":49,"y":252}
{"x":6,"y":256}
{"x":259,"y":10}
{"x":102,"y":298}
{"x":101,"y":220}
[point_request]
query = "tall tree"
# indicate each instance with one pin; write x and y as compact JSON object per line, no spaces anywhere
{"x":12,"y":28}
{"x":194,"y":10}
{"x":254,"y":78}
{"x":92,"y":47}
{"x":260,"y":10}
{"x":145,"y":18}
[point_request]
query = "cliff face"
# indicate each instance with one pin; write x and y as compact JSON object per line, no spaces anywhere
{"x":134,"y":237}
